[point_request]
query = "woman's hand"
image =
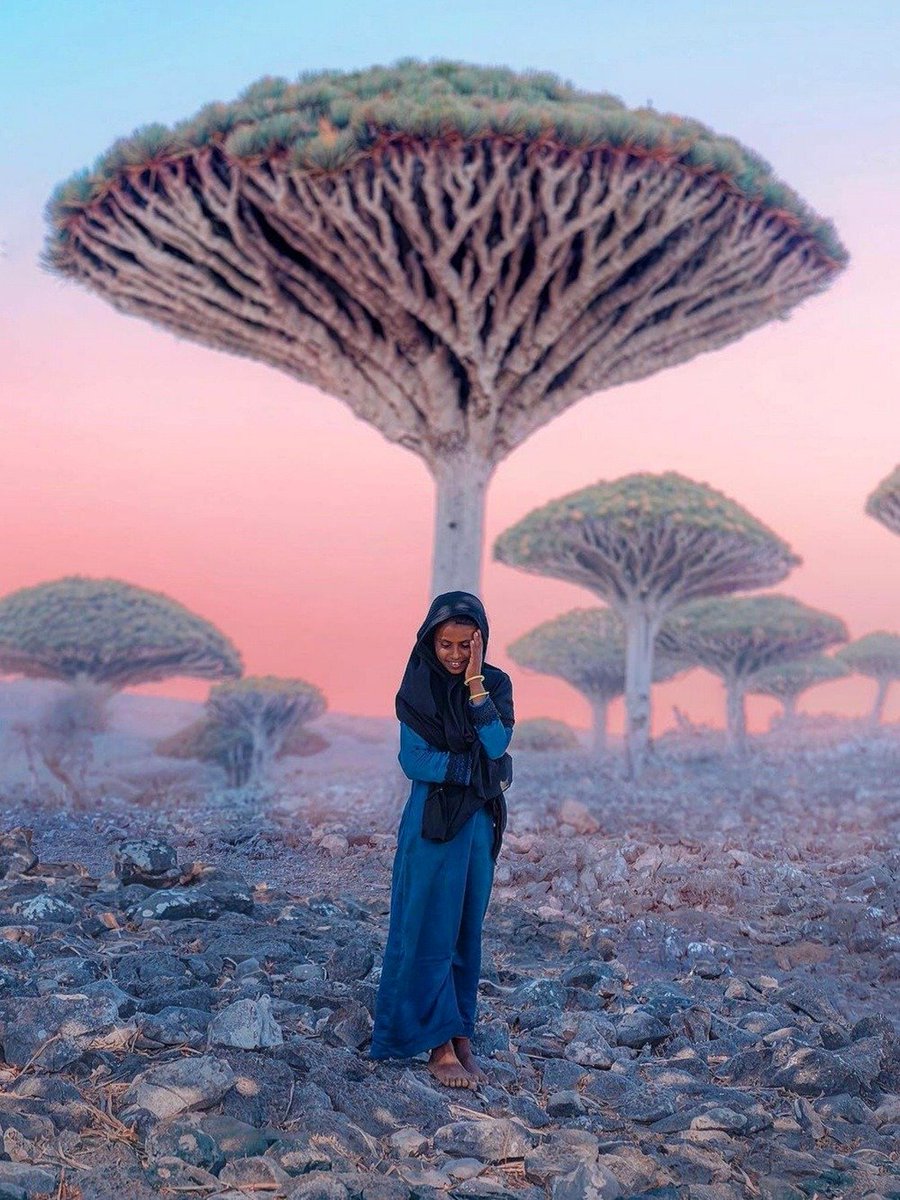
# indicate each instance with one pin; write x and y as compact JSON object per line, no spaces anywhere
{"x":476,"y":657}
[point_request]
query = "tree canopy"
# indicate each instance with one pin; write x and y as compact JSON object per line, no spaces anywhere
{"x":736,"y":637}
{"x":109,"y":632}
{"x":459,"y":253}
{"x":586,"y":648}
{"x":648,"y":537}
{"x":884,"y":502}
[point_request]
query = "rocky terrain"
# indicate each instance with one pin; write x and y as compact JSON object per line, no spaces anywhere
{"x":690,"y":985}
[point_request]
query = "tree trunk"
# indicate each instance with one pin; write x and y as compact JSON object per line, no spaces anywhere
{"x":461,"y":480}
{"x":789,"y":705}
{"x":641,"y":626}
{"x":737,"y":717}
{"x":599,"y":706}
{"x":877,"y":713}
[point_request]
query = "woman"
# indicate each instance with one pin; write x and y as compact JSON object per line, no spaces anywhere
{"x":456,"y":720}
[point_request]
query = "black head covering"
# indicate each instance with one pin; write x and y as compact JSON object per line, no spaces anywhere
{"x":435,"y":703}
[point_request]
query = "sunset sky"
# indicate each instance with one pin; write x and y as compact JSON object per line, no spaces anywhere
{"x":295,"y":527}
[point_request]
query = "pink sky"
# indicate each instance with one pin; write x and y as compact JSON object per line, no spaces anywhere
{"x":306,"y":537}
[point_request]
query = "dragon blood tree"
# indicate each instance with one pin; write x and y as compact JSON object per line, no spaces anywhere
{"x":108,"y":634}
{"x":788,"y":681}
{"x":736,"y":637}
{"x":876,"y":655}
{"x":884,"y":503}
{"x":459,"y":253}
{"x":586,"y":648}
{"x":646,"y":544}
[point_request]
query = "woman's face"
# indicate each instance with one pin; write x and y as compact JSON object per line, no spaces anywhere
{"x":452,"y":645}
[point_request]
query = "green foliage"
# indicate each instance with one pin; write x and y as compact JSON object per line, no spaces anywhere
{"x":876,"y":655}
{"x":885,"y":497}
{"x":435,"y":100}
{"x":623,"y":508}
{"x":784,"y":680}
{"x":741,"y":635}
{"x":545,"y":733}
{"x":109,"y":632}
{"x":586,"y":647}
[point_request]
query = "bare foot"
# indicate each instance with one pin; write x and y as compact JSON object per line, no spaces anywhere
{"x":463,"y":1048}
{"x":446,"y":1067}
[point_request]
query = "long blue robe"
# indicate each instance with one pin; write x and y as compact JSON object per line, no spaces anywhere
{"x":439,"y":895}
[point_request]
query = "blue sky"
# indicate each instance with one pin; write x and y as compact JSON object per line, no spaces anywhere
{"x":811,"y":84}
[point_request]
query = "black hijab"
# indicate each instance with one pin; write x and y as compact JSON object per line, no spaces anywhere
{"x":435,"y":704}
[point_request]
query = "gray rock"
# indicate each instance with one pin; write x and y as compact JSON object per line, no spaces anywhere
{"x":175,"y":1026}
{"x":149,"y":861}
{"x":493,"y":1140}
{"x":183,"y":1137}
{"x":247,"y":1024}
{"x":589,"y":1181}
{"x":639,"y":1028}
{"x":813,"y":1072}
{"x":565,"y":1104}
{"x":28,"y":1179}
{"x":174,"y":1087}
{"x":54,"y":1031}
{"x":47,"y":907}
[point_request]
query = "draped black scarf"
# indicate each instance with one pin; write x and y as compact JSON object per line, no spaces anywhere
{"x":435,"y":704}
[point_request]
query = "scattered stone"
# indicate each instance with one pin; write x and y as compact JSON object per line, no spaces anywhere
{"x":248,"y":1024}
{"x":186,"y":1083}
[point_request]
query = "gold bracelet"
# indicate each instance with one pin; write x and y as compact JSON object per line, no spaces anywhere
{"x":478,"y":695}
{"x":474,"y":677}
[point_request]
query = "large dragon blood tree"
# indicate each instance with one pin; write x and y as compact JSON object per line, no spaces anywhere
{"x":788,"y":681}
{"x":586,"y":648}
{"x":876,"y":655}
{"x":459,"y":253}
{"x":646,"y":544}
{"x":884,"y":503}
{"x":737,"y":636}
{"x":102,"y":635}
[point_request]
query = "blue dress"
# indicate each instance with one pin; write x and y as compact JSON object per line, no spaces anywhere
{"x":439,"y":895}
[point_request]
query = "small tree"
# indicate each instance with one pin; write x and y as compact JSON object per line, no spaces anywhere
{"x":788,"y":681}
{"x":545,"y":733}
{"x":647,"y":544}
{"x":586,"y":648}
{"x":876,"y":655}
{"x":111,"y":633}
{"x":739,"y":636}
{"x":884,"y":503}
{"x":459,"y":253}
{"x":254,"y":717}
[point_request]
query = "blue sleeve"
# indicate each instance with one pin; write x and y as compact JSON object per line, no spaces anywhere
{"x":494,"y":735}
{"x":422,"y":761}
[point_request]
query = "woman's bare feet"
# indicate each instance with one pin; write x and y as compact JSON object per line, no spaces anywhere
{"x":463,"y":1049}
{"x":446,"y":1067}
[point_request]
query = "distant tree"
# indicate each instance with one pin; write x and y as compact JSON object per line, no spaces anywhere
{"x":788,"y":681}
{"x":545,"y":733}
{"x":248,"y":724}
{"x":586,"y":648}
{"x":876,"y":655}
{"x":737,"y":637}
{"x":459,"y":253}
{"x":884,"y":503}
{"x":107,"y":634}
{"x":646,"y":544}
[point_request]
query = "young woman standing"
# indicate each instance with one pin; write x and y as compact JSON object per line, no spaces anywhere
{"x":456,"y":721}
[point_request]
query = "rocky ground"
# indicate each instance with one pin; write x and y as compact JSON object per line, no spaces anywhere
{"x":690,"y":985}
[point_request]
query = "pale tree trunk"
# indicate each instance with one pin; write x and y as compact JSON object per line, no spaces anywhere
{"x":641,"y":625}
{"x":737,"y":717}
{"x":877,"y":713}
{"x":599,"y":706}
{"x":789,"y":707}
{"x":461,"y":480}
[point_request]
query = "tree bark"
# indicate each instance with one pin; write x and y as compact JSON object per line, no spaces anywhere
{"x":641,"y":626}
{"x":599,"y":707}
{"x":737,"y":717}
{"x":877,"y":713}
{"x":461,"y":480}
